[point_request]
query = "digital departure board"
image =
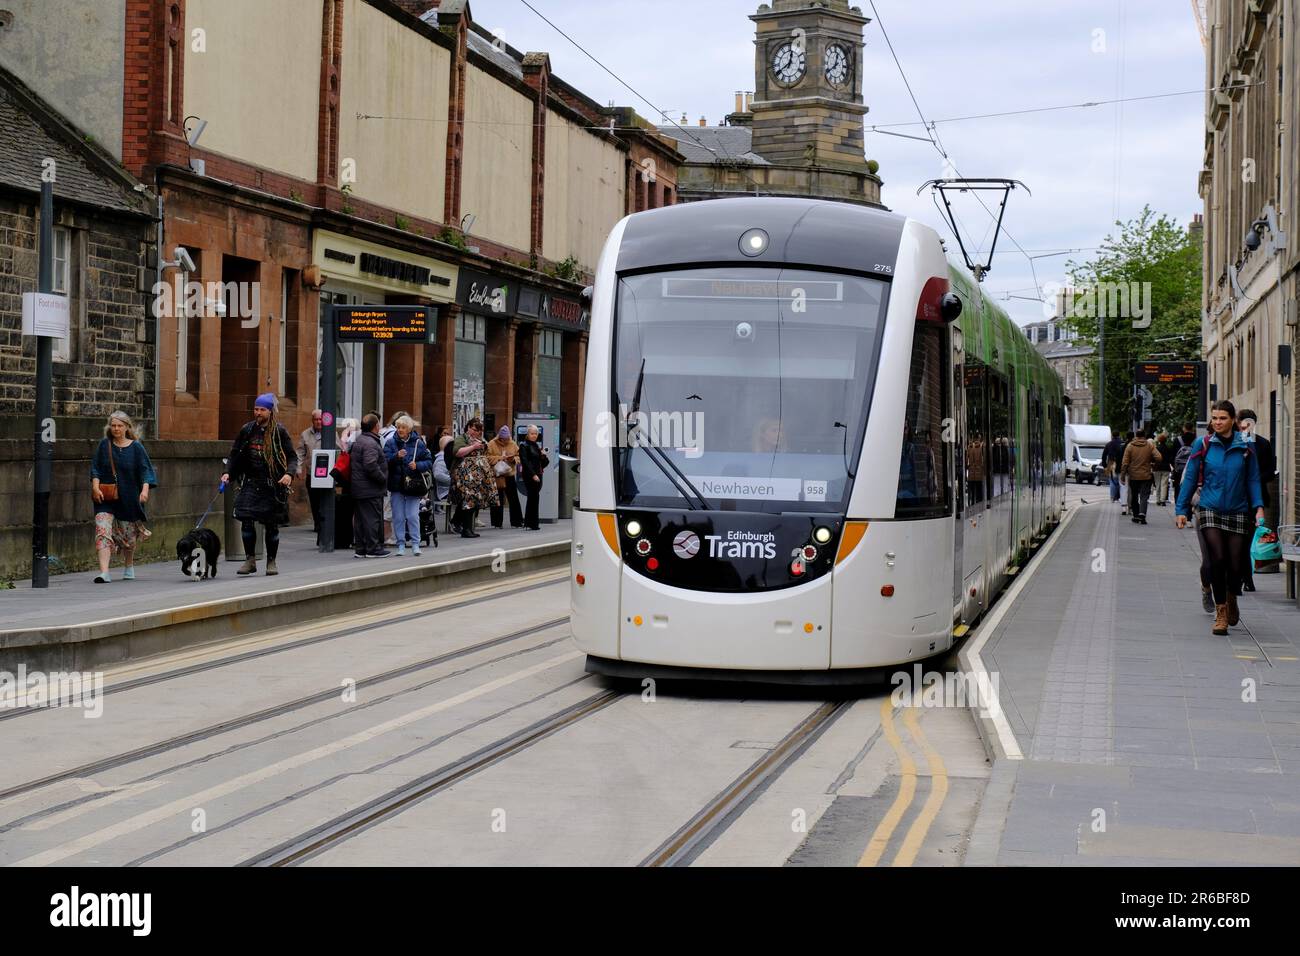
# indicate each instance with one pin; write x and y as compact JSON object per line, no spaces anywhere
{"x":383,"y":323}
{"x":1167,"y":373}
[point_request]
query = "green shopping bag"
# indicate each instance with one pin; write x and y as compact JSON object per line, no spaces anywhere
{"x":1265,"y":547}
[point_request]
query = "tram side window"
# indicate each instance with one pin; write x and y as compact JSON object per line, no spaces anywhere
{"x":1000,"y":434}
{"x":922,"y":475}
{"x":977,"y":446}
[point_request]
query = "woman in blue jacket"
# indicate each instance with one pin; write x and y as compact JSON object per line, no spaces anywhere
{"x":1224,"y":468}
{"x":408,"y":456}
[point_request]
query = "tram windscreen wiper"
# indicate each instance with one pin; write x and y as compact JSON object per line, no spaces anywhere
{"x":664,"y":463}
{"x":661,"y":461}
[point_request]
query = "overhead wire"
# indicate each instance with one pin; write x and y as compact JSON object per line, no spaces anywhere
{"x":934,"y":140}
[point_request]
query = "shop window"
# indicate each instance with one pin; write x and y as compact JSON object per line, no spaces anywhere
{"x":289,"y":328}
{"x":63,"y":246}
{"x":189,"y":329}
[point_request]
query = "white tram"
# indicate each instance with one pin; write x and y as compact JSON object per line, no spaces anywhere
{"x":809,"y":445}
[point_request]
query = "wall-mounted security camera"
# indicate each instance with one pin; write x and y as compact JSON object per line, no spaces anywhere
{"x":1252,"y":237}
{"x":183,"y":259}
{"x":744,"y":332}
{"x":192,"y":135}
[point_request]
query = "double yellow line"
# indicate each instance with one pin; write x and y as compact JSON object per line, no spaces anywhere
{"x":879,"y":842}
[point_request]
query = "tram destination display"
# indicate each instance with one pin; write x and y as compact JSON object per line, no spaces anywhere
{"x":383,"y":323}
{"x":1167,"y":373}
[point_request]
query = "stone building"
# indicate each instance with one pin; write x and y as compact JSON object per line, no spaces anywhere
{"x":1250,"y":183}
{"x":1070,"y":360}
{"x":800,"y":132}
{"x":104,"y":232}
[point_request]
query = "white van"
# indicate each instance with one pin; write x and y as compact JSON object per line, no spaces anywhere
{"x":1083,"y":447}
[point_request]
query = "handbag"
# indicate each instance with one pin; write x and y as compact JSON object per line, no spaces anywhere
{"x":416,"y":484}
{"x":503,"y":468}
{"x":342,"y":470}
{"x":109,"y":491}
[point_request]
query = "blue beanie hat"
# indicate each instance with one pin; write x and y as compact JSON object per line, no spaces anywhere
{"x":266,"y":400}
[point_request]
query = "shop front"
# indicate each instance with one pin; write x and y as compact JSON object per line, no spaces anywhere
{"x":518,"y":349}
{"x":377,"y":376}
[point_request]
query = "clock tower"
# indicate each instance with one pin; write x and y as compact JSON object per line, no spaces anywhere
{"x":808,"y":107}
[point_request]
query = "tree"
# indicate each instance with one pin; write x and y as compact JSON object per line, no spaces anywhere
{"x":1145,"y":286}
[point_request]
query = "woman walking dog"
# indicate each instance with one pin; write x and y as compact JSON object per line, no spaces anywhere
{"x":1225,"y":470}
{"x":121,"y":475}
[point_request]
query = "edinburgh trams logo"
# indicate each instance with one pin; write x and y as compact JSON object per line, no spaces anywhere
{"x":686,"y":544}
{"x":742,"y":544}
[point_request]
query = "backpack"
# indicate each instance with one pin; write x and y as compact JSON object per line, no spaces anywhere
{"x":1180,"y":459}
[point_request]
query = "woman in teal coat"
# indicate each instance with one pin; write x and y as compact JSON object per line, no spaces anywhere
{"x":1225,"y":470}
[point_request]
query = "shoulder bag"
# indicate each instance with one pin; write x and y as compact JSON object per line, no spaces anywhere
{"x":416,"y":484}
{"x":109,"y":491}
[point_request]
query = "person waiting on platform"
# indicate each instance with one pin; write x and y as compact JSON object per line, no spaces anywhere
{"x":503,"y":456}
{"x":409,"y":462}
{"x":533,"y":459}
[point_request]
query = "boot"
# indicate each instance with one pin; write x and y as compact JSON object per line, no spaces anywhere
{"x":1207,"y":600}
{"x":1233,"y":614}
{"x":270,"y":567}
{"x":248,"y":567}
{"x":1220,"y":620}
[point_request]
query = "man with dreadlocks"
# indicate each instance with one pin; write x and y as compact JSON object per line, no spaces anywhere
{"x":263,"y":461}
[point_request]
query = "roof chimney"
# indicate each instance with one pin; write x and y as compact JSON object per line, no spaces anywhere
{"x":749,"y":102}
{"x":740,"y":102}
{"x":703,"y":121}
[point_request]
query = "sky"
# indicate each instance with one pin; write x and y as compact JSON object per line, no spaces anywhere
{"x":1084,"y":168}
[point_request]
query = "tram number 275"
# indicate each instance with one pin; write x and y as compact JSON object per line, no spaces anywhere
{"x":880,"y":267}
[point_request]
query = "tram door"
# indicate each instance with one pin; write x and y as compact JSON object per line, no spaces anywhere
{"x":956,"y":448}
{"x":975,"y":515}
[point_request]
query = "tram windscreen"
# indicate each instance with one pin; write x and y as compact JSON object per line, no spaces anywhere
{"x":742,"y":389}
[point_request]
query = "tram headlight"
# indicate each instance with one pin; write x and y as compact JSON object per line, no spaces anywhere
{"x":822,"y":535}
{"x":754,"y":242}
{"x":633,"y":528}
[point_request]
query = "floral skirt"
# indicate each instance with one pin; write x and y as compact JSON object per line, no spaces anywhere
{"x":113,"y":534}
{"x":475,"y":483}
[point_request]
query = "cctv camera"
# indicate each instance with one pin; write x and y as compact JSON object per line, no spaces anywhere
{"x":744,"y":331}
{"x":215,"y":307}
{"x":1252,"y":239}
{"x":184,"y":260}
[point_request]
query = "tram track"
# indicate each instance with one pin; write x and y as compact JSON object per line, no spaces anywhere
{"x":345,"y":826}
{"x":695,"y":836}
{"x":226,"y":726}
{"x":10,"y":713}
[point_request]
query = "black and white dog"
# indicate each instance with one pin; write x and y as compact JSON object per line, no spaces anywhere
{"x":198,"y":551}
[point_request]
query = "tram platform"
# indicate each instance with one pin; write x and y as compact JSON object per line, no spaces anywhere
{"x":1132,"y":735}
{"x":78,"y":624}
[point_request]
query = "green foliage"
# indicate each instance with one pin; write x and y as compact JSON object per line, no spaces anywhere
{"x":295,"y":195}
{"x":568,"y":269}
{"x":1149,"y":249}
{"x":451,"y":238}
{"x":873,"y":166}
{"x":401,"y":222}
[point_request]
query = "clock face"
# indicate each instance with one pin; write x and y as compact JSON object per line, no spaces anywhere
{"x":788,"y":64}
{"x":837,"y":65}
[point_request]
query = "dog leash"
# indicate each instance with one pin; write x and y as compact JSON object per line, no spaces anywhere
{"x":220,"y":489}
